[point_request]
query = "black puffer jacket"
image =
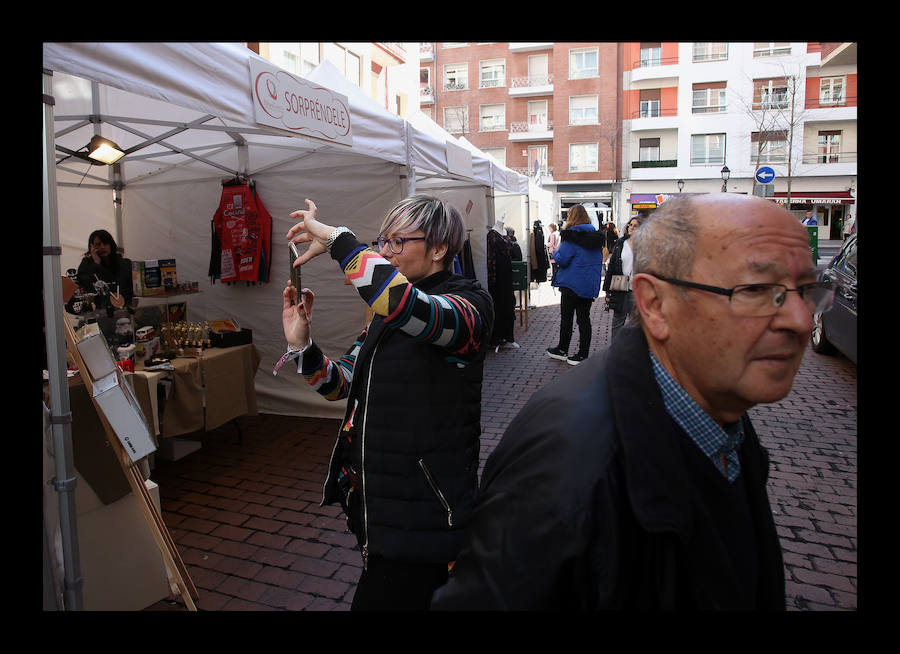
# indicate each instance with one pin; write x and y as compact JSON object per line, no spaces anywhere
{"x":415,"y":440}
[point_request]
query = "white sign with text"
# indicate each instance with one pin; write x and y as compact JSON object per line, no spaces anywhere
{"x":288,"y":102}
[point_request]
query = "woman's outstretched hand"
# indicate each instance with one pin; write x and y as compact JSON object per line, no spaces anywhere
{"x":309,"y":230}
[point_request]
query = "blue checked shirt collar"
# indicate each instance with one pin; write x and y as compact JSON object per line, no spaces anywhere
{"x":712,"y":440}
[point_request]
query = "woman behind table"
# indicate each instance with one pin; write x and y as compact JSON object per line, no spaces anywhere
{"x":580,"y":261}
{"x":103,"y":262}
{"x":404,"y":466}
{"x":621,"y":262}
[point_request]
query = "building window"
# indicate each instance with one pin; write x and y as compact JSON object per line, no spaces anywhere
{"x":309,"y":57}
{"x":456,"y":119}
{"x":583,"y":110}
{"x":707,"y":149}
{"x":492,"y":117}
{"x":829,"y":146}
{"x":456,"y":77}
{"x":651,"y":54}
{"x":290,"y":61}
{"x":583,"y":63}
{"x":708,"y":97}
{"x":344,"y":60}
{"x":537,"y":159}
{"x":771,"y":48}
{"x":649,"y":103}
{"x":583,"y":157}
{"x":709,"y":52}
{"x":493,"y":74}
{"x":649,"y":150}
{"x":768,"y":147}
{"x":537,"y":116}
{"x":770,"y":94}
{"x":454,"y":44}
{"x":538,"y":70}
{"x":831,"y":90}
{"x":497,"y":154}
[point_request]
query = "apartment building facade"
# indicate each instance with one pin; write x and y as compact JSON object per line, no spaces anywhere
{"x":620,"y":127}
{"x":623,"y":126}
{"x":693,"y":109}
{"x":548,"y":110}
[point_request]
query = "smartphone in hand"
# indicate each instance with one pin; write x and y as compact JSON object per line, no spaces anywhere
{"x":295,"y":272}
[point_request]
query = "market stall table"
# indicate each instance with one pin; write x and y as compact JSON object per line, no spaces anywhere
{"x":203,"y":393}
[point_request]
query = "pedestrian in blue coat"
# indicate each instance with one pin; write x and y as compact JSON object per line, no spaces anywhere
{"x":580,"y":268}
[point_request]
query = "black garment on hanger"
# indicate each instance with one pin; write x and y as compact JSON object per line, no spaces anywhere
{"x":541,"y":261}
{"x":499,"y":265}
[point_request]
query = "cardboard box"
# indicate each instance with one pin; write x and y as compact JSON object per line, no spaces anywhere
{"x":122,"y":566}
{"x":229,"y":338}
{"x":116,"y":400}
{"x":96,"y":355}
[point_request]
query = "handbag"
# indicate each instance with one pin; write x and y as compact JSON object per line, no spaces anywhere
{"x":619,"y":283}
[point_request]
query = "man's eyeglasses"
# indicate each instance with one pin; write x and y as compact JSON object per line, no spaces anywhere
{"x":760,"y":300}
{"x":395,"y":242}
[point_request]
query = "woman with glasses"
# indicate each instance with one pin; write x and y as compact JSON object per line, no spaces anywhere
{"x":404,"y":466}
{"x":621,"y":262}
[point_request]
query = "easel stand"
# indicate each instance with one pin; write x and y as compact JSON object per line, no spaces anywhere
{"x":179,"y":580}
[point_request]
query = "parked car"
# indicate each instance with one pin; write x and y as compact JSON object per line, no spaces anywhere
{"x":835,"y":329}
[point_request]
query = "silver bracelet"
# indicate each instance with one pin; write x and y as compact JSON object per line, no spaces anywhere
{"x":334,"y":235}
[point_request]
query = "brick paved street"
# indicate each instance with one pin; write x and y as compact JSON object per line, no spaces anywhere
{"x":248,"y":525}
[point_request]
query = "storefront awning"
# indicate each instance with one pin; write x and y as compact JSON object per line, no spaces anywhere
{"x":815,"y":197}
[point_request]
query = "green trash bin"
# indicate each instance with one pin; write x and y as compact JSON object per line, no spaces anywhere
{"x":519,"y":276}
{"x":813,"y":231}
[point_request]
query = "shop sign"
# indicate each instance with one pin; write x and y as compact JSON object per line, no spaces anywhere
{"x":288,"y":102}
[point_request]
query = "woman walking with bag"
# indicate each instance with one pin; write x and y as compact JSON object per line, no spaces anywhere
{"x":617,"y":283}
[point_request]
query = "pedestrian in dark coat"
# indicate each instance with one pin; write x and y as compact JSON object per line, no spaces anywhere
{"x":637,"y":481}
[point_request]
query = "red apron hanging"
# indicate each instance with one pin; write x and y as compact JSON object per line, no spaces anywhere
{"x":241,"y":235}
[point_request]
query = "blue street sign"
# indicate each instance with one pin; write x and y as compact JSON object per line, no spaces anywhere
{"x":765,"y":175}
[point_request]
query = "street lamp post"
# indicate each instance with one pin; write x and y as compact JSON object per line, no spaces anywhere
{"x":725,"y":175}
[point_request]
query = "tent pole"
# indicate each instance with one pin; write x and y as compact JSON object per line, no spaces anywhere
{"x":61,"y":418}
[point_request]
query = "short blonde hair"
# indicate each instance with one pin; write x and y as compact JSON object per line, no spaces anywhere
{"x":441,"y":223}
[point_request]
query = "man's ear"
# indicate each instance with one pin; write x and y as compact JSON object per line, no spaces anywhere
{"x":649,"y":300}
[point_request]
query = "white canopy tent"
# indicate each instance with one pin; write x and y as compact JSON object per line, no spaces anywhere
{"x":186,"y":111}
{"x":184,"y":115}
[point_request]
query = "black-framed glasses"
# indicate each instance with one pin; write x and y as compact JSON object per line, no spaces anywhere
{"x":396,"y":243}
{"x":759,"y":300}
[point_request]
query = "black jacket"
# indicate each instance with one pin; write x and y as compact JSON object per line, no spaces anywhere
{"x":415,"y":440}
{"x":614,"y":267}
{"x":587,"y":504}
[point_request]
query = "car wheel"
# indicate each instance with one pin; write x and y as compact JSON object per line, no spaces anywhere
{"x":818,"y":340}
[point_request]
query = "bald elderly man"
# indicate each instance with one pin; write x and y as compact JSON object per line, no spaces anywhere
{"x":636,"y":480}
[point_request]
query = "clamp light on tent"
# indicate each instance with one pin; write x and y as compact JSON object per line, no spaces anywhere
{"x":104,"y":150}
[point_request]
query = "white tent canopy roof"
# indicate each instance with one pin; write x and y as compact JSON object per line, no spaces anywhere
{"x":184,"y":113}
{"x":184,"y":104}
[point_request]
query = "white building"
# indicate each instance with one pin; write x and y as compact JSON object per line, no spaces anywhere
{"x":691,"y":109}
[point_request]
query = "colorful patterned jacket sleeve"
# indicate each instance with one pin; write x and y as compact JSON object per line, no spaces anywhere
{"x":450,"y":321}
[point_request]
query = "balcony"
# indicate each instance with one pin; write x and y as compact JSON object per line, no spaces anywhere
{"x":520,"y":87}
{"x":530,"y":46}
{"x":426,"y":52}
{"x":659,"y":163}
{"x":523,"y":131}
{"x":426,"y":95}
